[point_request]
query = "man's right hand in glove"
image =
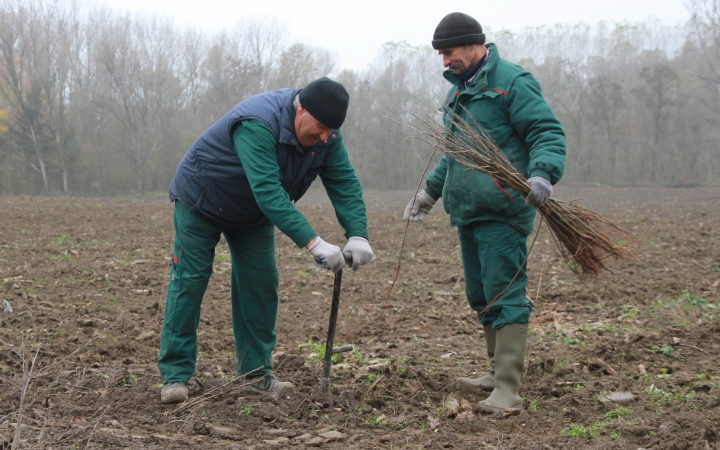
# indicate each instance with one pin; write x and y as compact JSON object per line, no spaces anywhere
{"x":326,"y":255}
{"x":419,"y":207}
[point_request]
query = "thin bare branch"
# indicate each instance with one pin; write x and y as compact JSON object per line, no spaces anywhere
{"x":583,"y":237}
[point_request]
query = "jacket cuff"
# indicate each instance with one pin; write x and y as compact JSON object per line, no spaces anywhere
{"x":435,"y":194}
{"x":541,"y":173}
{"x":365,"y":235}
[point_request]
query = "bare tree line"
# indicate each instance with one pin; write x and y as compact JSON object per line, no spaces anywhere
{"x":99,"y":103}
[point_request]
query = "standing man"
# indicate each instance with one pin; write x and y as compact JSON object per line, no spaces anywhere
{"x":493,"y":220}
{"x":240,"y":179}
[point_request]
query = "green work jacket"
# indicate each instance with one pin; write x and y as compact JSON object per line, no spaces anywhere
{"x":507,"y":102}
{"x":255,"y":145}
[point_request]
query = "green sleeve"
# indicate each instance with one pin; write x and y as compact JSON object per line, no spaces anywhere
{"x":436,"y":180}
{"x":343,"y":187}
{"x":256,"y":146}
{"x":532,"y":117}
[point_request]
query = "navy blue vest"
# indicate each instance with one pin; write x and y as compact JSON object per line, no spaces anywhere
{"x":210,"y":179}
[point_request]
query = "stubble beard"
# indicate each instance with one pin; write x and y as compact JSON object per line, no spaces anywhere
{"x":458,"y":67}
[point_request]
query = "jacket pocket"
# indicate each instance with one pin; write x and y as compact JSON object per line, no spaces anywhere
{"x":484,"y":194}
{"x":487,"y":111}
{"x":219,"y":207}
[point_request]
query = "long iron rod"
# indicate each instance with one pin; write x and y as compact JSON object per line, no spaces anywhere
{"x":325,"y":385}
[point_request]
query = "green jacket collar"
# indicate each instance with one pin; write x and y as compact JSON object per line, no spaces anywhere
{"x":480,"y":79}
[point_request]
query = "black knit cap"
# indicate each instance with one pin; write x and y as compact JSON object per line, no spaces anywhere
{"x":326,"y":100}
{"x":457,"y":29}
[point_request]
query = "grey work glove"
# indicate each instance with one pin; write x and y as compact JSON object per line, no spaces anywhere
{"x":419,"y":207}
{"x":357,"y":252}
{"x":540,"y":191}
{"x":327,"y":256}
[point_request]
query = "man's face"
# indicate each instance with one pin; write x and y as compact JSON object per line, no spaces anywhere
{"x":460,"y":59}
{"x":308,"y":129}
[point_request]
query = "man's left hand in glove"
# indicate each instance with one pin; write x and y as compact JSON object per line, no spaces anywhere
{"x":357,"y":252}
{"x":540,"y":191}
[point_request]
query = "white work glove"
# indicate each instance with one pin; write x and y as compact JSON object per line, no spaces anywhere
{"x":540,"y":191}
{"x":419,"y":207}
{"x":327,"y":256}
{"x":357,"y":252}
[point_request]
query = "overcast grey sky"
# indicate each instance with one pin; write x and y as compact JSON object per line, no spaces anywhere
{"x":356,"y":29}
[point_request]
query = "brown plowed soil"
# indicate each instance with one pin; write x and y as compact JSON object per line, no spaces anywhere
{"x":86,"y":280}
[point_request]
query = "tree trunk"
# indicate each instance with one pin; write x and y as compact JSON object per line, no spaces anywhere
{"x":41,"y":162}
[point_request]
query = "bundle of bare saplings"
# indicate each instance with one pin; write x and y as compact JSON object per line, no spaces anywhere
{"x":584,"y":237}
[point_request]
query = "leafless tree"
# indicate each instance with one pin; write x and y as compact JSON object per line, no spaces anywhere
{"x":34,"y":39}
{"x":139,"y":86}
{"x":657,"y":94}
{"x":705,"y":27}
{"x":97,"y":101}
{"x":299,"y":64}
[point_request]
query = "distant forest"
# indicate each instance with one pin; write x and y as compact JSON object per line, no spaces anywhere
{"x":103,"y":103}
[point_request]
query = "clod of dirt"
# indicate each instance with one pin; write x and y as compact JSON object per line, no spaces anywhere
{"x":117,"y":424}
{"x":114,"y":432}
{"x":200,"y":428}
{"x":574,"y":415}
{"x":145,"y":335}
{"x":283,"y":433}
{"x":315,"y":442}
{"x":562,"y":371}
{"x":162,"y":437}
{"x":86,"y":323}
{"x":453,"y":406}
{"x":333,"y":435}
{"x":555,"y":392}
{"x":277,"y":442}
{"x":222,"y":432}
{"x":466,"y":416}
{"x":683,"y":378}
{"x":269,"y":413}
{"x":621,"y":398}
{"x":666,"y":428}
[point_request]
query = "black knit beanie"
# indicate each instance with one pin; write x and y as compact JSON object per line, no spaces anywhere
{"x":457,"y":29}
{"x":326,"y":100}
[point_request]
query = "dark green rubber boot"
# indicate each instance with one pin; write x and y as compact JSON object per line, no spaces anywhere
{"x":487,"y":381}
{"x":511,"y":341}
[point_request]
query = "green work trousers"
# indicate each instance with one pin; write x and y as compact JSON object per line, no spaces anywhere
{"x":494,"y":261}
{"x":254,"y":285}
